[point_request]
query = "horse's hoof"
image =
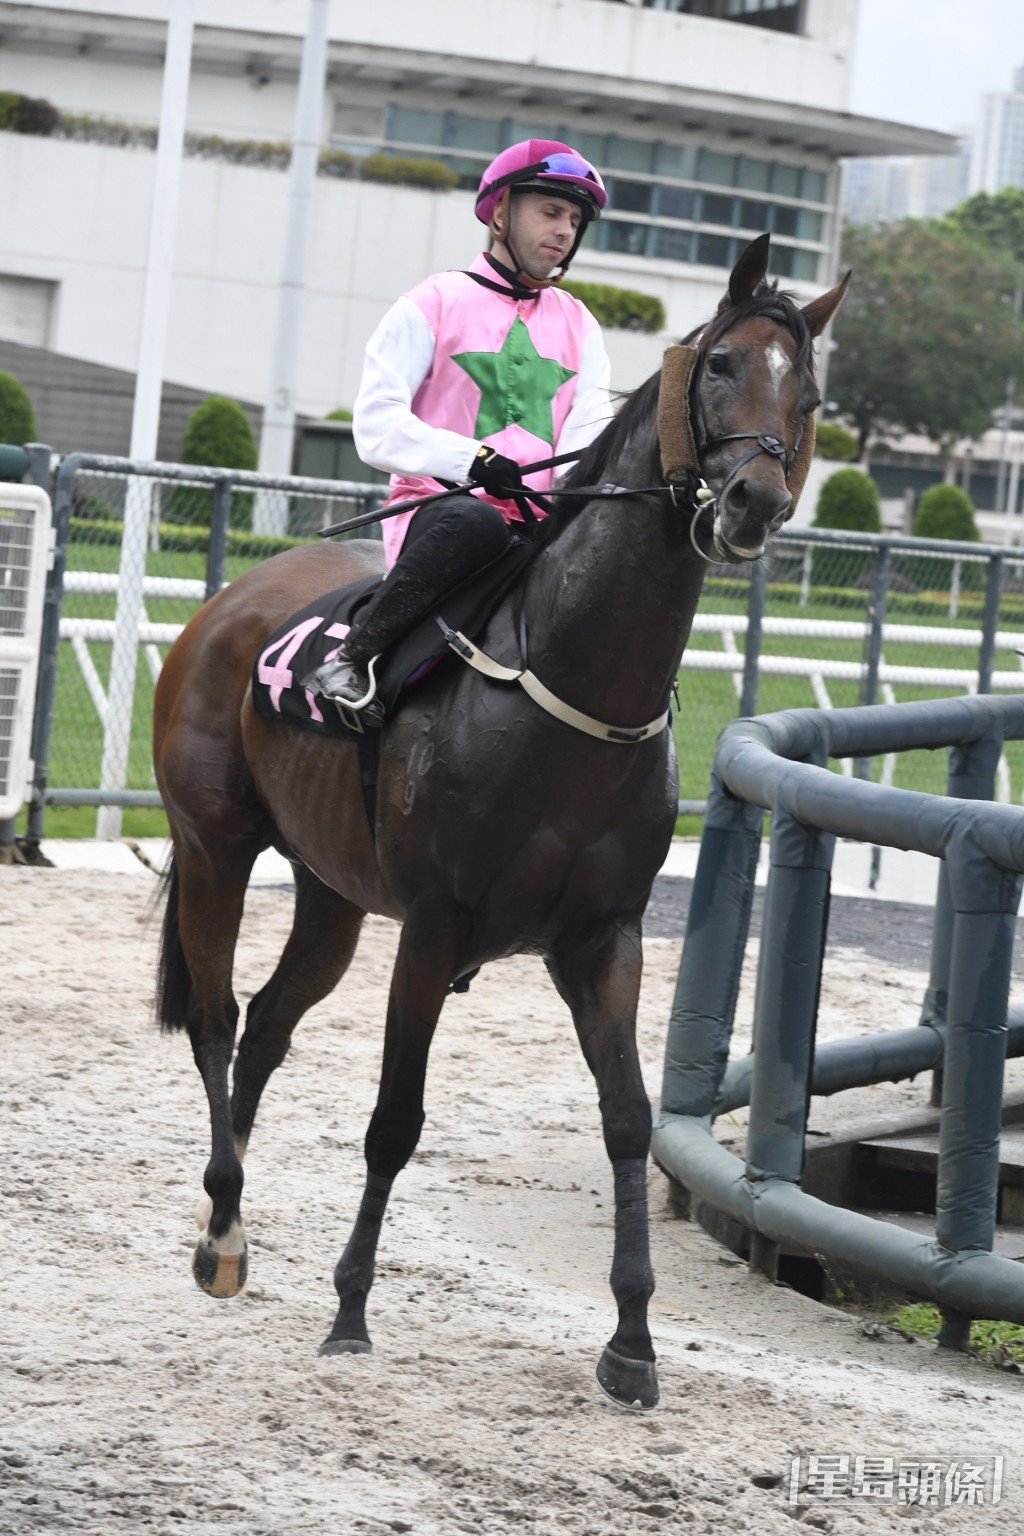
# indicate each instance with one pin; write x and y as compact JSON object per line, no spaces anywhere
{"x":628,"y":1383}
{"x":219,"y":1274}
{"x":345,"y":1347}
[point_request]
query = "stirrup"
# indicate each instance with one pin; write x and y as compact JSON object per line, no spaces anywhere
{"x":351,"y":710}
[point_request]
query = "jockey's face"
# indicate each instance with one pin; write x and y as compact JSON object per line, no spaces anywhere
{"x":543,"y":230}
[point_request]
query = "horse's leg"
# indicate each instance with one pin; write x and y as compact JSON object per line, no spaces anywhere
{"x":319,"y":948}
{"x":600,"y":980}
{"x":424,"y":968}
{"x":211,"y":895}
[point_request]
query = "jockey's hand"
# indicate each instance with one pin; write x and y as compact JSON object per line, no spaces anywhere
{"x":498,"y":475}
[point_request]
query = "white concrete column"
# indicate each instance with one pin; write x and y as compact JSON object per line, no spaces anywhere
{"x":270,"y":512}
{"x":146,"y":415}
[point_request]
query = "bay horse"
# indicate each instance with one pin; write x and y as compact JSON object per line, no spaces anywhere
{"x":499,"y":828}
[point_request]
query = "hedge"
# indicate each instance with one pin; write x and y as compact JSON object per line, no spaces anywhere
{"x":623,"y":309}
{"x":25,"y":114}
{"x":835,"y":442}
{"x":183,"y":539}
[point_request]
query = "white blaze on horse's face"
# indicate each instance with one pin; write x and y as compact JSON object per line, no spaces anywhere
{"x":778,"y":365}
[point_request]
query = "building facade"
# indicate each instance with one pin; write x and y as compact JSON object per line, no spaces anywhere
{"x":999,"y":147}
{"x":712,"y":120}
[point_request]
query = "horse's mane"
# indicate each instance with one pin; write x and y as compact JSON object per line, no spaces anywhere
{"x":638,"y":405}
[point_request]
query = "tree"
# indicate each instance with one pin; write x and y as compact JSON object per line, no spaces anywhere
{"x":17,"y":419}
{"x":995,"y":221}
{"x":927,"y":334}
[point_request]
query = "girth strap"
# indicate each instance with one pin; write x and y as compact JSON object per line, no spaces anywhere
{"x":531,"y":684}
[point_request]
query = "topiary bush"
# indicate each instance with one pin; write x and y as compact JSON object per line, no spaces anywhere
{"x":340,"y":414}
{"x":17,"y":418}
{"x":945,"y":512}
{"x":849,"y":499}
{"x":623,"y":309}
{"x":218,"y":434}
{"x":834,"y":442}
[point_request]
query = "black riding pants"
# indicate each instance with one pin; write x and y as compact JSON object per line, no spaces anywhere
{"x":445,"y":543}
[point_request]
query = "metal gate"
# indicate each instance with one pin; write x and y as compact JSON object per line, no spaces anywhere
{"x":26,"y":545}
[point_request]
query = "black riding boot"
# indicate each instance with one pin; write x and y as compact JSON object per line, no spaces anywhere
{"x":446,"y":542}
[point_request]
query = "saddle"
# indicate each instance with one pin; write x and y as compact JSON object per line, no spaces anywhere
{"x":310,"y":637}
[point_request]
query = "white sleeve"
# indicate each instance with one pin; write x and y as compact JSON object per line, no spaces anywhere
{"x":386,"y":432}
{"x":591,"y":406}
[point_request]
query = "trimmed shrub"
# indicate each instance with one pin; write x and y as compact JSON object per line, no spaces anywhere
{"x":27,"y":114}
{"x":17,"y":418}
{"x":945,"y":512}
{"x":622,"y":309}
{"x":336,"y":162}
{"x":409,"y":170}
{"x":217,"y":434}
{"x":834,"y":442}
{"x":340,"y":414}
{"x":849,"y":499}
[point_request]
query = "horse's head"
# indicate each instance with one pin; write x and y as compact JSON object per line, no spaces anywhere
{"x":752,"y":398}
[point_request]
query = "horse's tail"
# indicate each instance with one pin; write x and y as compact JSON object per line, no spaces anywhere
{"x":173,"y":978}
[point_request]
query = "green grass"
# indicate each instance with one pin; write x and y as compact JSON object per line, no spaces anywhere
{"x":998,"y":1342}
{"x":708,"y":699}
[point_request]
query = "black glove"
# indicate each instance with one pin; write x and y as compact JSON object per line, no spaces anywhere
{"x":498,"y":476}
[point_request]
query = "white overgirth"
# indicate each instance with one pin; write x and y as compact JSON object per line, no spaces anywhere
{"x":531,"y":684}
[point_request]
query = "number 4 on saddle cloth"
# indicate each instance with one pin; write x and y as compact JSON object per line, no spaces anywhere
{"x":309,"y":638}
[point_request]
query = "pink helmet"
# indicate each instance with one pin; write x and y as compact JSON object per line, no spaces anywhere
{"x":541,"y":165}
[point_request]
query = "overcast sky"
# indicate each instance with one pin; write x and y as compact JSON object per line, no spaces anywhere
{"x":928,"y":61}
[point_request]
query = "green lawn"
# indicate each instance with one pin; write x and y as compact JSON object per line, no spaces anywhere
{"x":708,"y":699}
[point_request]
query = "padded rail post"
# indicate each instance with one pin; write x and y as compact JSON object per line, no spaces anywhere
{"x":709,"y":971}
{"x":786,"y":1010}
{"x":985,"y":901}
{"x":972,"y":776}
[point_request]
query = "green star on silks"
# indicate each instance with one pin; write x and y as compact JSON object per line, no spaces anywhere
{"x":516,"y":385}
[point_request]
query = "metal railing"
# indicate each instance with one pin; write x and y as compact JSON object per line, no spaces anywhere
{"x":828,"y":619}
{"x":776,"y":763}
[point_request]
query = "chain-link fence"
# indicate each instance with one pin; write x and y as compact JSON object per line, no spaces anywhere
{"x":828,"y":619}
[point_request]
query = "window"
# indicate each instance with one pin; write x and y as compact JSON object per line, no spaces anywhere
{"x":805,"y":266}
{"x":408,"y":125}
{"x":629,"y":239}
{"x":754,"y":215}
{"x":630,"y":154}
{"x":715,"y":250}
{"x":716,"y":209}
{"x":786,"y":180}
{"x":479,"y":133}
{"x":676,"y":202}
{"x":630,"y":196}
{"x":712,"y":166}
{"x":784,"y":220}
{"x":679,"y":160}
{"x":673,"y":244}
{"x":808,"y":224}
{"x":812,"y":185}
{"x":753,"y":175}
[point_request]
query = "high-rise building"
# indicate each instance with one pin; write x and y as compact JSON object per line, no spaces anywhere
{"x":998,"y":159}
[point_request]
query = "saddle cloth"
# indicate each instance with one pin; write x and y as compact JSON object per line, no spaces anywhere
{"x":309,"y":638}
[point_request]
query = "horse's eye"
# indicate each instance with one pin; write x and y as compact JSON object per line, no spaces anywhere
{"x":718,"y":363}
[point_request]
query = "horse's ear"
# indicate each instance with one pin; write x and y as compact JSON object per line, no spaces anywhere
{"x":748,"y":272}
{"x":819,"y":311}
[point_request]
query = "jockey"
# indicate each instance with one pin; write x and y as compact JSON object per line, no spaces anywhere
{"x":469,"y":376}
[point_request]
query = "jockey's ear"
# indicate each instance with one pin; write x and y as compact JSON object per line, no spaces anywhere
{"x":819,"y":311}
{"x":747,"y":273}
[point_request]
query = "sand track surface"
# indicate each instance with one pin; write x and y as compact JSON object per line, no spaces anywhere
{"x":133,"y":1403}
